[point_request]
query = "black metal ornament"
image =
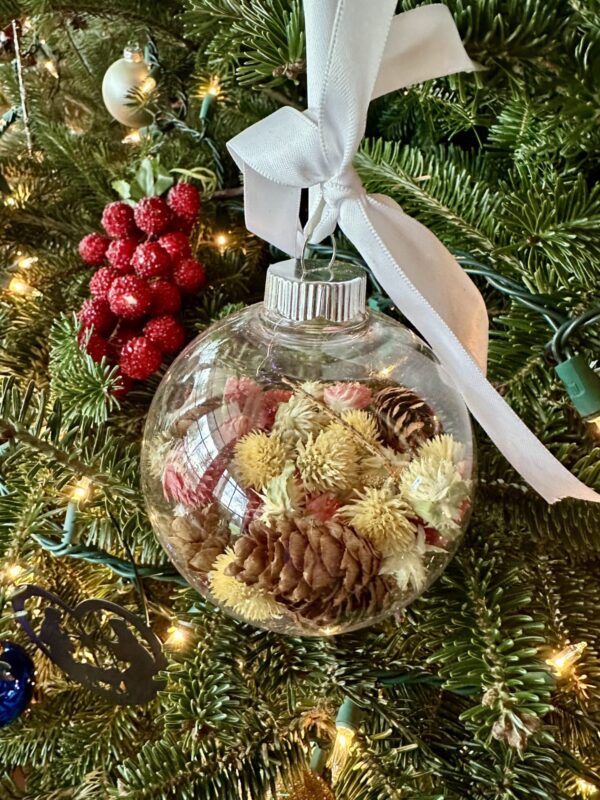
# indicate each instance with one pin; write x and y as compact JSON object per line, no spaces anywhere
{"x":99,"y":644}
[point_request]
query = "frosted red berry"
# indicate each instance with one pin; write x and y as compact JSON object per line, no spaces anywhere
{"x":166,"y":332}
{"x":140,"y":358}
{"x":102,"y":280}
{"x":152,"y":215}
{"x":118,"y":221}
{"x":129,"y":297}
{"x":165,"y":298}
{"x":124,"y":334}
{"x":97,"y":347}
{"x":181,"y":225}
{"x":177,"y":245}
{"x":120,"y":252}
{"x":189,"y":276}
{"x":126,"y":384}
{"x":184,"y":200}
{"x":92,"y":249}
{"x":151,"y":261}
{"x":95,"y":312}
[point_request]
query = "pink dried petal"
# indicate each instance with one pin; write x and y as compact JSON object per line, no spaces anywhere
{"x":343,"y":396}
{"x":322,"y":506}
{"x":236,"y":427}
{"x":238,"y":390}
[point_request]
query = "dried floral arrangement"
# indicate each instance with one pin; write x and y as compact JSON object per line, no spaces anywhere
{"x":349,"y":490}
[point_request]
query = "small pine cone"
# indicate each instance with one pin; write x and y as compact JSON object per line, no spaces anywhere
{"x":406,"y":420}
{"x":320,"y":570}
{"x":200,"y":536}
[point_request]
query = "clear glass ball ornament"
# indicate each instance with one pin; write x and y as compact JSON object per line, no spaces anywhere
{"x":307,"y":463}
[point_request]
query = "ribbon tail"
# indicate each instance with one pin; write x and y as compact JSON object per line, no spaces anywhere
{"x":386,"y":237}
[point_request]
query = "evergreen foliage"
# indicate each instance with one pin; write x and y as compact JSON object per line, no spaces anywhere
{"x":502,"y":165}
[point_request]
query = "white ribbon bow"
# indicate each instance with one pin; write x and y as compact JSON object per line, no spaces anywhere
{"x":356,"y":52}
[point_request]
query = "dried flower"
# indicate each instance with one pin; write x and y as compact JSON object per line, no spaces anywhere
{"x":272,"y":399}
{"x":342,"y":396}
{"x":363,"y":423}
{"x":377,"y":468}
{"x":323,"y":507}
{"x":258,"y":458}
{"x":283,"y":495}
{"x":382,"y":516}
{"x":313,"y":388}
{"x":327,"y":463}
{"x":436,"y":489}
{"x":408,"y":566}
{"x":297,"y":419}
{"x":443,"y":448}
{"x":251,"y":602}
{"x":238,"y":390}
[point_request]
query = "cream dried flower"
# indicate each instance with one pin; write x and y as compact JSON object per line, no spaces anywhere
{"x":251,"y":602}
{"x":437,"y":491}
{"x":408,"y":566}
{"x":297,"y":419}
{"x":386,"y":464}
{"x":283,"y":495}
{"x":258,"y":458}
{"x":313,"y":388}
{"x":327,"y":462}
{"x":443,"y":448}
{"x":381,"y":515}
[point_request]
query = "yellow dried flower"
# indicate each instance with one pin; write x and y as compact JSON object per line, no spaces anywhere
{"x":381,"y":515}
{"x":328,"y":463}
{"x":363,"y":422}
{"x":377,"y":468}
{"x":251,"y":602}
{"x":297,"y":419}
{"x":283,"y":495}
{"x":258,"y":458}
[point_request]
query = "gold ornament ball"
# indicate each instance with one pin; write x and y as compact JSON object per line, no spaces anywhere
{"x":308,"y":786}
{"x":121,"y":79}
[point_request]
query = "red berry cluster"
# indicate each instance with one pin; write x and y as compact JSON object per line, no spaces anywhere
{"x":144,"y":269}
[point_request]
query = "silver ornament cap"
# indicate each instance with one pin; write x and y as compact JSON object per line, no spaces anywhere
{"x":298,"y":291}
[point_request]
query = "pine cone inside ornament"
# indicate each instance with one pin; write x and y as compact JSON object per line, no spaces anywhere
{"x":405,"y":419}
{"x":200,"y":536}
{"x":323,"y":571}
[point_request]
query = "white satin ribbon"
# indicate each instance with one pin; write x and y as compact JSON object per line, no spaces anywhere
{"x":355,"y":53}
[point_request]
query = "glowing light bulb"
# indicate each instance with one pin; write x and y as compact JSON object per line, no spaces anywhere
{"x":177,"y":636}
{"x":214,"y":87}
{"x":148,"y":86}
{"x":50,"y":65}
{"x":27,"y":261}
{"x":13,"y":572}
{"x":585,"y":788}
{"x":82,"y":490}
{"x":221,"y":241}
{"x":10,"y":201}
{"x":19,"y":286}
{"x":563,"y":662}
{"x":132,"y":137}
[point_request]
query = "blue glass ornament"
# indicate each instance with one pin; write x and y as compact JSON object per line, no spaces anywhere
{"x":16,"y":681}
